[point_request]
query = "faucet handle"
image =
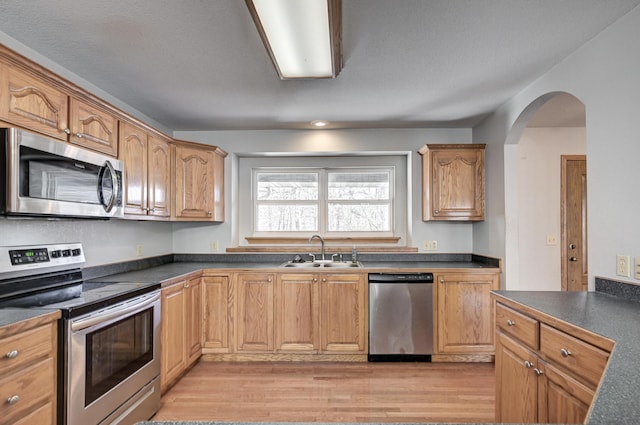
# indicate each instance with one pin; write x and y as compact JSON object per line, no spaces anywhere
{"x":313,"y":257}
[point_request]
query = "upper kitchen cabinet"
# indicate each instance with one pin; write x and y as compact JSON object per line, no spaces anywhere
{"x":33,"y":98}
{"x":93,"y":127}
{"x":147,"y":162}
{"x":199,"y":182}
{"x":29,"y":101}
{"x":453,"y":182}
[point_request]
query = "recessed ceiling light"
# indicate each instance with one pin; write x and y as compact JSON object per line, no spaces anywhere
{"x":319,"y":123}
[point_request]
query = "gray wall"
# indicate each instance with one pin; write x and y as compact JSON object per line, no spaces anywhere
{"x":604,"y":75}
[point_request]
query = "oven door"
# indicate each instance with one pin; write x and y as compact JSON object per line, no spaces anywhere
{"x":113,"y":363}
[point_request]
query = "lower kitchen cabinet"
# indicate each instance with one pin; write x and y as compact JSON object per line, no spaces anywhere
{"x":28,"y":371}
{"x":344,"y":312}
{"x":181,"y":329}
{"x":216,"y":314}
{"x":297,"y":312}
{"x":254,"y":317}
{"x":464,"y":315}
{"x":543,"y":374}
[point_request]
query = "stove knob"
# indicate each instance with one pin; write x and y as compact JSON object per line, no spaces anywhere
{"x":66,"y":253}
{"x":55,"y":254}
{"x":75,"y":252}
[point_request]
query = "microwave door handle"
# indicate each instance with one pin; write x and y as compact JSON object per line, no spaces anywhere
{"x":114,"y":184}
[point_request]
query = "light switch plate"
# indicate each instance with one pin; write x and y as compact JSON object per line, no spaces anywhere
{"x":637,"y":268}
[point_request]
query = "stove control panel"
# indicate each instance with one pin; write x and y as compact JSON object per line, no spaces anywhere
{"x":32,"y":259}
{"x":28,"y":256}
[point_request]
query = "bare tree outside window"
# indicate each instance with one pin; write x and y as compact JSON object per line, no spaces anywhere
{"x":323,"y":200}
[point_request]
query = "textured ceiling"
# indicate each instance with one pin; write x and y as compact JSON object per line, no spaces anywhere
{"x":200,"y":65}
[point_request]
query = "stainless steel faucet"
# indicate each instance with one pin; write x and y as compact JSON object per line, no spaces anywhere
{"x":321,"y":241}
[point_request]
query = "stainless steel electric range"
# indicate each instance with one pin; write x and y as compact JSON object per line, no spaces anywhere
{"x":109,"y":334}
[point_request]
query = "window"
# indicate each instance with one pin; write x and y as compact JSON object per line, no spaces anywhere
{"x":283,"y":199}
{"x":338,"y":201}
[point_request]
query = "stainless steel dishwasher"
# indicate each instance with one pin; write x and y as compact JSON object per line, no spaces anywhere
{"x":400,"y":316}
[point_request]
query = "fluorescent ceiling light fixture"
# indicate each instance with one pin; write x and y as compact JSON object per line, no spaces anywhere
{"x":303,"y":37}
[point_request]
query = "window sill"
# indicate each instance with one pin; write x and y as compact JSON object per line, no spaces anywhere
{"x":293,"y":244}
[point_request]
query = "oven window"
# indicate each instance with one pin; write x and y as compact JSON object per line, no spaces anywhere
{"x":116,"y":352}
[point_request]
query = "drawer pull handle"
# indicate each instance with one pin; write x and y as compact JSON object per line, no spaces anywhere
{"x":12,"y":354}
{"x":565,"y":352}
{"x":510,"y":322}
{"x":13,"y":399}
{"x":538,"y":372}
{"x":528,"y":364}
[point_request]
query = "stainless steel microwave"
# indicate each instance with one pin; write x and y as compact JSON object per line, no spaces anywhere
{"x":46,"y":177}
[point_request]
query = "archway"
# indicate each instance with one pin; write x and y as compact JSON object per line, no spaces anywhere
{"x":551,"y":126}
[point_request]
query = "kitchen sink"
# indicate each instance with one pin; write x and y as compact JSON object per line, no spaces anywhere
{"x":320,"y":263}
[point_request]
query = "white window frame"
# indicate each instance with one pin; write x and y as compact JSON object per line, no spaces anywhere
{"x":323,"y":201}
{"x":242,"y":202}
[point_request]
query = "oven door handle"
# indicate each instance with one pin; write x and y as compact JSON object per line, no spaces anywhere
{"x":115,"y":313}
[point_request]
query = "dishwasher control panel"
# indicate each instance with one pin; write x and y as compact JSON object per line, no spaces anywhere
{"x":401,"y":277}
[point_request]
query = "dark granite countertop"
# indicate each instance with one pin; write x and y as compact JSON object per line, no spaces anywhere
{"x":616,"y":401}
{"x":177,"y":269}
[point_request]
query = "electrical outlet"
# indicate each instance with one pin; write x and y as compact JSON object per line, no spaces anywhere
{"x":552,"y":240}
{"x":139,"y":250}
{"x":637,"y":268}
{"x":430,"y":245}
{"x":214,"y":246}
{"x":623,"y":266}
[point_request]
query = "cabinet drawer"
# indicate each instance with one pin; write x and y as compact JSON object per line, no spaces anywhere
{"x":573,"y":354}
{"x":43,"y":415}
{"x":518,"y":325}
{"x":31,"y":385}
{"x":24,"y":347}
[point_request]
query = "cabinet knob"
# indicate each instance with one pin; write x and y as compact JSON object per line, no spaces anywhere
{"x":67,"y":131}
{"x":573,"y":259}
{"x":565,"y":353}
{"x":572,"y":246}
{"x":528,"y":364}
{"x":209,"y":213}
{"x":186,"y":286}
{"x":12,"y":354}
{"x":13,"y":399}
{"x":510,"y":322}
{"x":538,"y":372}
{"x":79,"y":135}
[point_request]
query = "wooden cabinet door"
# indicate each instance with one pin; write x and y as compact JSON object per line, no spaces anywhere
{"x":254,"y":319}
{"x":173,"y":338}
{"x":218,"y":185}
{"x":562,"y":399}
{"x":343,"y":313}
{"x":159,"y":177}
{"x":193,"y":319}
{"x":216,"y":313}
{"x":93,"y":128}
{"x":464,"y":317}
{"x":133,"y":147}
{"x":516,"y":382}
{"x":453,"y":182}
{"x":296,"y":312}
{"x":194,"y":179}
{"x":33,"y":103}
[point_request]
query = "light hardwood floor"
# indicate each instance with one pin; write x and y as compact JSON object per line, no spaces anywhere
{"x":333,"y":392}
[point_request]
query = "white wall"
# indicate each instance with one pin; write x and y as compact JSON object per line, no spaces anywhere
{"x":538,"y":198}
{"x":104,"y":242}
{"x":451,"y":237}
{"x":604,"y":75}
